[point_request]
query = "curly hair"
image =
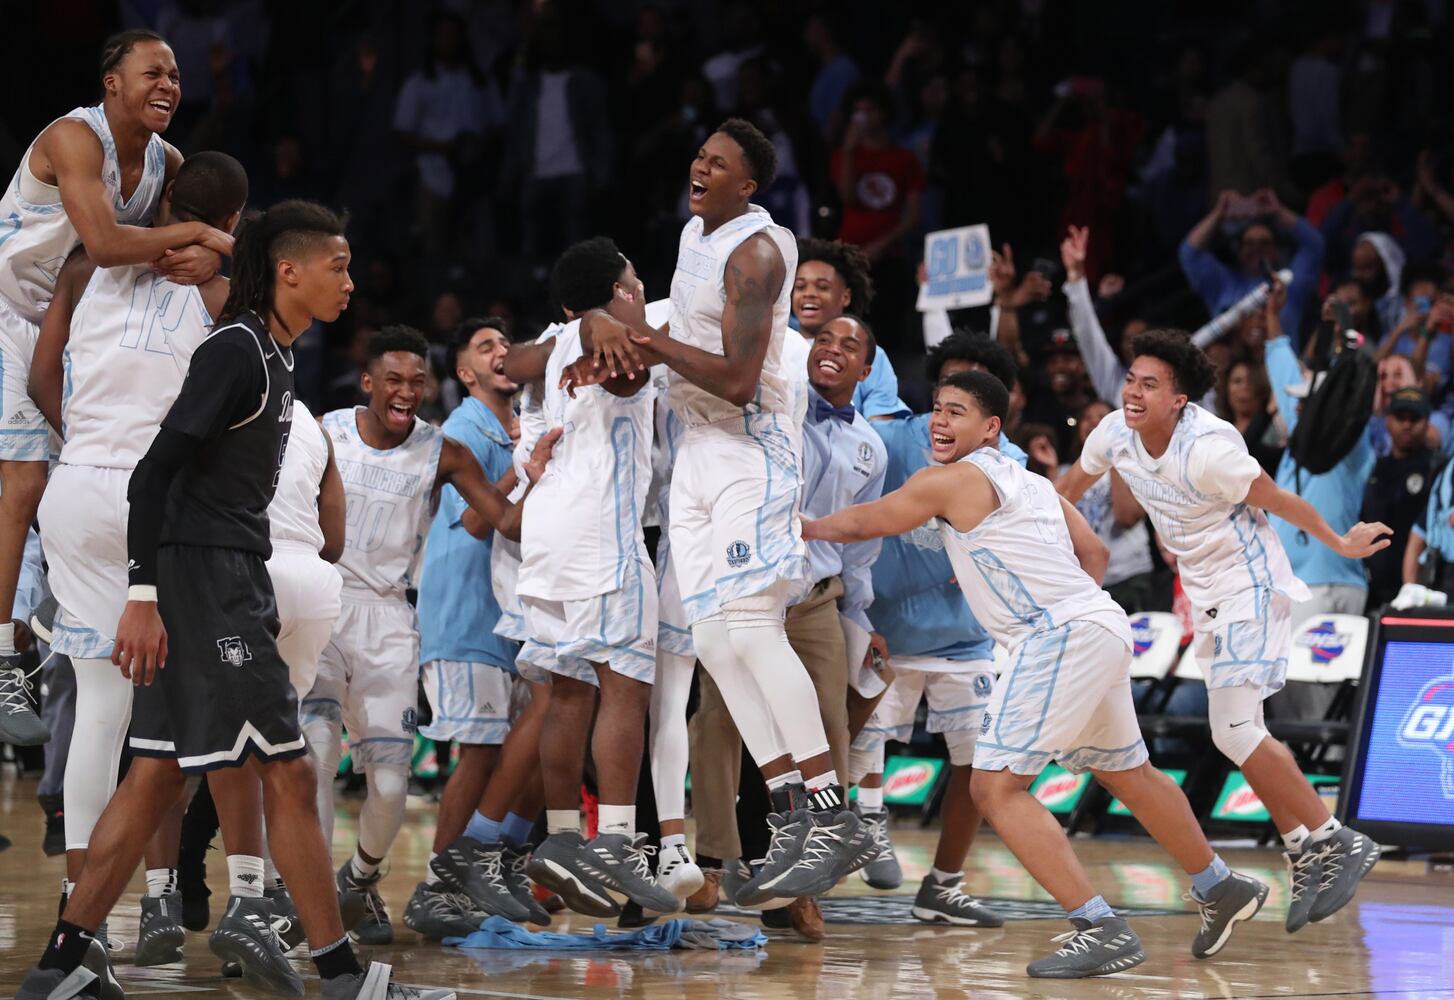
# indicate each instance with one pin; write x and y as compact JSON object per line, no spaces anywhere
{"x":976,"y":348}
{"x":397,"y":337}
{"x":757,"y":150}
{"x":1194,"y":373}
{"x":585,"y":274}
{"x":849,"y":261}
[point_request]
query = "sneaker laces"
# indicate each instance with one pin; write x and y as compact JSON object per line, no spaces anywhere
{"x":449,"y":904}
{"x":16,"y":690}
{"x":515,"y":871}
{"x":1332,"y":865}
{"x":780,"y":844}
{"x":952,"y":895}
{"x":878,"y":829}
{"x":818,"y":848}
{"x":489,"y":863}
{"x":1207,"y":911}
{"x":1300,"y":873}
{"x":637,"y":854}
{"x":1077,"y":942}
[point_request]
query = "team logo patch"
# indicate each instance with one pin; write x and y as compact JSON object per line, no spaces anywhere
{"x":1415,"y":483}
{"x":738,"y":553}
{"x":409,"y":722}
{"x":233,"y":650}
{"x":982,"y":685}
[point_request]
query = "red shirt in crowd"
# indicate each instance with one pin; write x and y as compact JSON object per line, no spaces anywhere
{"x":884,"y":178}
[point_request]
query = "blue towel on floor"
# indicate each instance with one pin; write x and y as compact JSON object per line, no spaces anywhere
{"x":497,"y":932}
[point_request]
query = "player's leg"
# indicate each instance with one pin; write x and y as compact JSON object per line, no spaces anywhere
{"x":892,"y":719}
{"x":161,"y":935}
{"x":103,"y":711}
{"x":670,"y":754}
{"x":21,"y":485}
{"x":321,"y":714}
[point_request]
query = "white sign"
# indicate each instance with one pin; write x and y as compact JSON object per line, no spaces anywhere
{"x":957,"y":263}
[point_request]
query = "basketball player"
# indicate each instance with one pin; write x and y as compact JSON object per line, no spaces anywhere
{"x":588,"y":590}
{"x":197,"y":538}
{"x":392,"y":462}
{"x":127,"y":335}
{"x":92,"y":178}
{"x":940,"y":655}
{"x":469,"y":671}
{"x":1208,"y":500}
{"x":1028,"y":564}
{"x":835,"y":278}
{"x":735,"y":490}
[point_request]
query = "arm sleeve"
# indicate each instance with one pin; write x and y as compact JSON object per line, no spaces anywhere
{"x":1221,"y":468}
{"x":1100,"y":360}
{"x":1095,"y":454}
{"x":147,"y":494}
{"x":1283,"y":370}
{"x":859,"y":557}
{"x":1205,"y":273}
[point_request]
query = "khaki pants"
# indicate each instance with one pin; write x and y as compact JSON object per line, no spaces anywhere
{"x":716,"y":748}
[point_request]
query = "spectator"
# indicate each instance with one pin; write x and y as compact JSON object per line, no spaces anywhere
{"x":1313,"y":85}
{"x":1105,"y":367}
{"x":1263,"y":217}
{"x":1357,"y":163}
{"x":1377,"y":210}
{"x":1038,"y":440}
{"x":1429,"y":554}
{"x":823,"y":34}
{"x":1058,"y":399}
{"x":1377,"y":265}
{"x":1398,"y":491}
{"x":1396,"y":372}
{"x":559,"y":152}
{"x":1244,"y":400}
{"x":879,"y":183}
{"x":741,"y":33}
{"x":1425,"y":334}
{"x":1118,"y":521}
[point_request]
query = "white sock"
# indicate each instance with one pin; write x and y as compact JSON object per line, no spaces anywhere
{"x":793,"y":777}
{"x":361,"y":867}
{"x":562,"y":821}
{"x":7,"y":638}
{"x":429,"y":877}
{"x":821,"y":781}
{"x":940,"y":876}
{"x":161,"y":881}
{"x":1294,"y":839}
{"x":617,"y":819}
{"x":669,"y":840}
{"x":245,"y":875}
{"x":271,"y":878}
{"x":1325,"y":831}
{"x":871,"y":800}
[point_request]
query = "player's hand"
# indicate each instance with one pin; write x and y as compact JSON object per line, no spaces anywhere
{"x":876,"y":644}
{"x":215,"y":240}
{"x":1364,"y":539}
{"x":141,"y":642}
{"x":614,"y":347}
{"x":540,"y":456}
{"x":810,"y":529}
{"x":582,"y":372}
{"x":191,"y":265}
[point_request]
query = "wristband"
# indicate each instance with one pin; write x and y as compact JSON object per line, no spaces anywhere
{"x":142,"y":592}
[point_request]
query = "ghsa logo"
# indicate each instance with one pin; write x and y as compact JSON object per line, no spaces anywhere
{"x":1324,"y":642}
{"x":1429,"y":725}
{"x":1143,"y":636}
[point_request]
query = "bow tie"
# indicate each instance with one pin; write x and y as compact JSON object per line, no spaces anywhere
{"x":823,"y":410}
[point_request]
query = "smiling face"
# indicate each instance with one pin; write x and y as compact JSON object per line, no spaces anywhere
{"x":959,"y":426}
{"x":719,"y":182}
{"x":819,"y":294}
{"x":481,"y":363}
{"x":395,"y":383}
{"x":1150,"y":396}
{"x":146,"y":84}
{"x":838,"y":360}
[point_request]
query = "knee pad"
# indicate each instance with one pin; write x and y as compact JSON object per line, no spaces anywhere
{"x":1236,"y":717}
{"x":390,"y":782}
{"x":961,"y":747}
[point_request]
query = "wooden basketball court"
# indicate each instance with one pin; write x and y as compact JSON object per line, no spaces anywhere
{"x":1396,"y":940}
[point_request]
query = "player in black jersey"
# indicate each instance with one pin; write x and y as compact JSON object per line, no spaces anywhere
{"x":201,"y":599}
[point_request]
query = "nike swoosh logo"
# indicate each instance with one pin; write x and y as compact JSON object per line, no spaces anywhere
{"x":269,"y":354}
{"x":1236,"y":724}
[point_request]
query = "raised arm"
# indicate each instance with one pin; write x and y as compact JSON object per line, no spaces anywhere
{"x":1105,"y":368}
{"x":47,"y":367}
{"x":76,"y":159}
{"x":332,"y":507}
{"x":526,"y":363}
{"x":458,"y":468}
{"x":1362,"y":540}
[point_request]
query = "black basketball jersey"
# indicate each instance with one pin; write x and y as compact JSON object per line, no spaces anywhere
{"x":238,"y":399}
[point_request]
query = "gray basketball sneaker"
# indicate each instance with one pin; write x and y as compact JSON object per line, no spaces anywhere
{"x":373,"y":984}
{"x":1347,"y":856}
{"x":1098,"y":949}
{"x":19,"y":724}
{"x":245,"y":936}
{"x":1304,"y":874}
{"x":789,"y":831}
{"x":477,"y":870}
{"x":161,"y":936}
{"x":883,"y":872}
{"x":1236,"y":898}
{"x":832,"y":844}
{"x":620,"y":862}
{"x":374,"y":926}
{"x":516,"y":860}
{"x":562,"y":865}
{"x":944,"y":903}
{"x":286,"y":924}
{"x":435,"y":913}
{"x":92,"y":979}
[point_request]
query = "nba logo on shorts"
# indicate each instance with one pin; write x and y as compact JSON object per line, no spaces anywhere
{"x":738,"y":553}
{"x":1429,"y":725}
{"x":234,"y":650}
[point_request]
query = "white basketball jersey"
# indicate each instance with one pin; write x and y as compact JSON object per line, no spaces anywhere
{"x":1227,"y":554}
{"x":389,"y":500}
{"x":293,"y":514}
{"x":132,"y":337}
{"x":582,"y":523}
{"x":1017,"y":567}
{"x":698,"y":295}
{"x":532,"y":415}
{"x":36,"y":236}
